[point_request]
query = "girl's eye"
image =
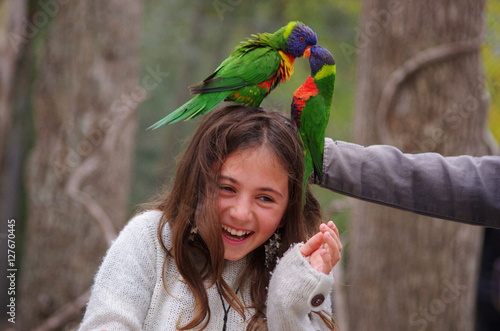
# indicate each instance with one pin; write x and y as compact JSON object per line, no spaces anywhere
{"x":226,"y":188}
{"x":266,"y":198}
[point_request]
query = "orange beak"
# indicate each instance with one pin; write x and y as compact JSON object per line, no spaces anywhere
{"x":307,"y":52}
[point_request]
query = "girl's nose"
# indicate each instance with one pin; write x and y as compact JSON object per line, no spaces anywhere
{"x":242,"y":209}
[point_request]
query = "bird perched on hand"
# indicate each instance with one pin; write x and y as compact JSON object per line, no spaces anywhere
{"x":311,"y":109}
{"x":250,"y":73}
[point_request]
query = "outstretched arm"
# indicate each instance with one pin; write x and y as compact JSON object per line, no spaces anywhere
{"x":460,"y":188}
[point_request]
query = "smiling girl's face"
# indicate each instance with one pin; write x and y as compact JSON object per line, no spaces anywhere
{"x":253,"y":197}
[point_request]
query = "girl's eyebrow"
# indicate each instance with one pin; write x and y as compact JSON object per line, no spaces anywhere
{"x":231,"y":179}
{"x":264,"y":189}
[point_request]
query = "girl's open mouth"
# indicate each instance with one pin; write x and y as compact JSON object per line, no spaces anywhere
{"x":235,"y":235}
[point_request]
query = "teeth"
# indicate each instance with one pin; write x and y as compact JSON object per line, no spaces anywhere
{"x":235,"y":232}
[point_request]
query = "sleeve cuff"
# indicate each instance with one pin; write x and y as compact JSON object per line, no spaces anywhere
{"x":296,"y":284}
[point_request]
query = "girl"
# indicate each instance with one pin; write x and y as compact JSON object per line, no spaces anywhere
{"x":223,"y":250}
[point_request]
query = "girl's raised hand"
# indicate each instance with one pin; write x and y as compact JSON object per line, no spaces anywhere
{"x":323,"y":249}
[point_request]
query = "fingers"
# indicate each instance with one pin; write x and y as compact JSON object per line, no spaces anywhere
{"x":322,"y":250}
{"x":312,"y":244}
{"x":333,"y":230}
{"x":327,"y":262}
{"x":331,"y":247}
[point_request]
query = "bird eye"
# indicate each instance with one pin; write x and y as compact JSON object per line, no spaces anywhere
{"x":315,"y":56}
{"x":301,"y":38}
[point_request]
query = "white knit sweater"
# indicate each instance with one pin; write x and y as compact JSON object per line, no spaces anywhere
{"x":128,"y":292}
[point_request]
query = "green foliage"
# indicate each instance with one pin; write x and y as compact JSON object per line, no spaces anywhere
{"x":491,"y":57}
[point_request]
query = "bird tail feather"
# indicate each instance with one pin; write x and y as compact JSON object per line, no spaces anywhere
{"x":200,"y":104}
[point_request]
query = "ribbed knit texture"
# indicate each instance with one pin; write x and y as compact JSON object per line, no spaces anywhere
{"x":128,"y":292}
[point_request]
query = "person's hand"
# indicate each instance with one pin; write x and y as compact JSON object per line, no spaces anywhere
{"x":323,"y":249}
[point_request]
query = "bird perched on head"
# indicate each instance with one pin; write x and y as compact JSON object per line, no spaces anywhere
{"x":250,"y":73}
{"x":311,"y":109}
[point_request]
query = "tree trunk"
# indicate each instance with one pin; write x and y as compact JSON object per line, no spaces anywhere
{"x":12,"y":14}
{"x":420,"y":88}
{"x":78,"y":174}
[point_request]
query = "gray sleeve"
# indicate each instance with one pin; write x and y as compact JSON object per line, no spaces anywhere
{"x":295,"y":290}
{"x":460,"y":188}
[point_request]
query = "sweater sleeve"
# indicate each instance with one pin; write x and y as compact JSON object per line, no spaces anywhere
{"x":295,"y":290}
{"x":459,"y":188}
{"x":123,"y":286}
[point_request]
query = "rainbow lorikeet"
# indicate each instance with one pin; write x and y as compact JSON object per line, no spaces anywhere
{"x":250,"y":73}
{"x":311,"y":109}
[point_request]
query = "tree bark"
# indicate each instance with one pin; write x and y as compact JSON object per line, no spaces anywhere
{"x":79,"y":172}
{"x":12,"y":14}
{"x":420,"y":88}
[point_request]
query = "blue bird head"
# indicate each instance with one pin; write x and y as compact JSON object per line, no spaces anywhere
{"x":318,"y":56}
{"x":299,"y":39}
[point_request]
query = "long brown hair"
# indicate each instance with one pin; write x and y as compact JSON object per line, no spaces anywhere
{"x":192,"y":203}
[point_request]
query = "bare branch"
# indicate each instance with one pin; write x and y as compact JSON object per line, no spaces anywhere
{"x":78,"y":176}
{"x":73,"y":188}
{"x":65,"y":313}
{"x":398,"y":76}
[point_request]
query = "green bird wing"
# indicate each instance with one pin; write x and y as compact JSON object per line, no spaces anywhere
{"x":241,"y":69}
{"x":315,"y":116}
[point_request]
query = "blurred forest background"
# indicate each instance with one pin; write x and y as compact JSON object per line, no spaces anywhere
{"x":80,"y":81}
